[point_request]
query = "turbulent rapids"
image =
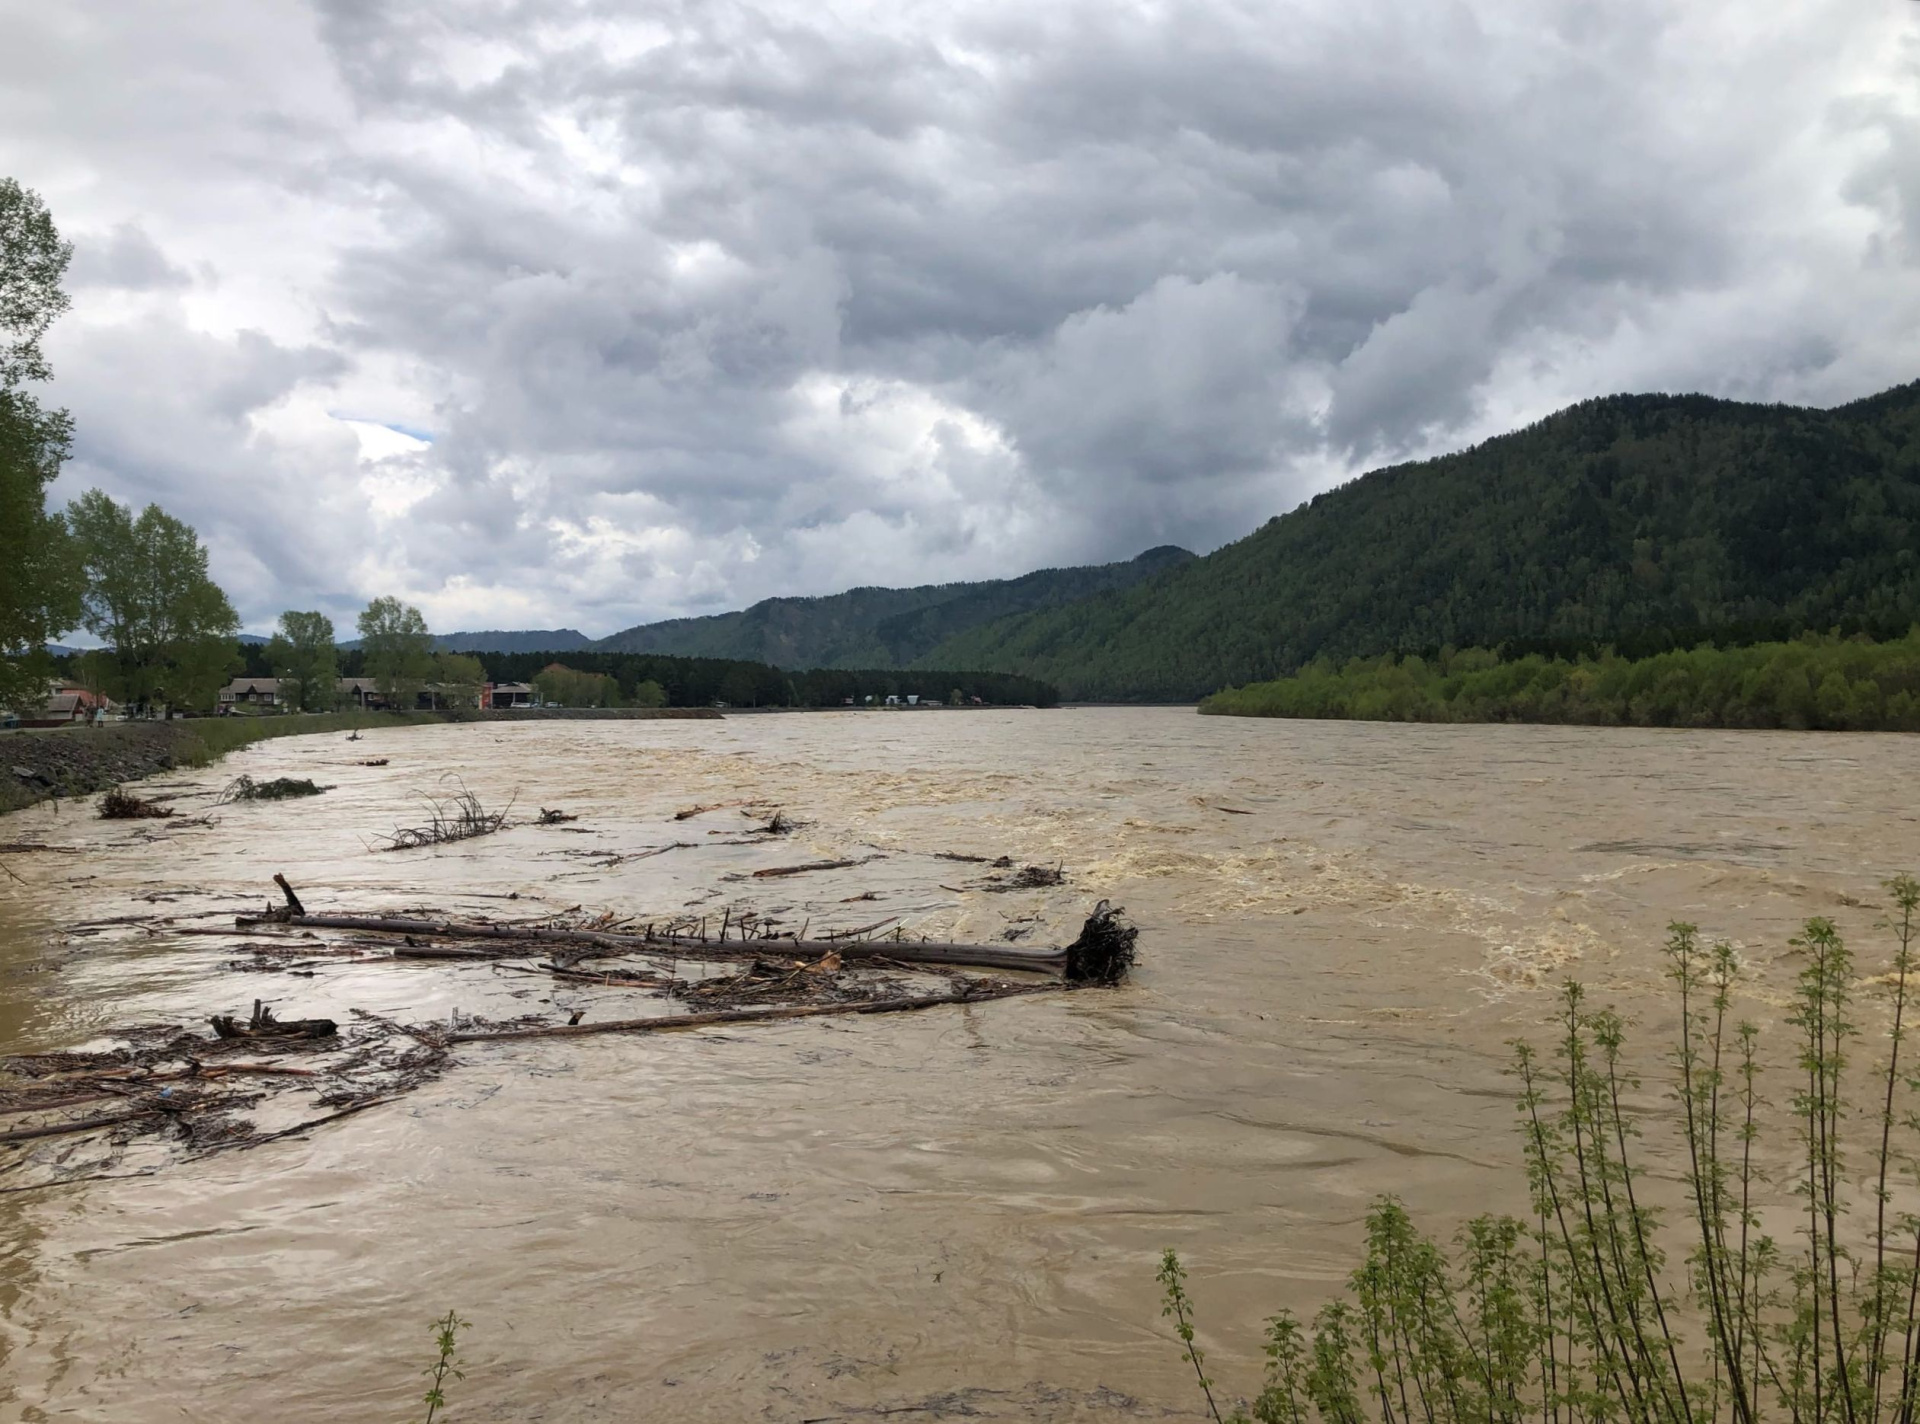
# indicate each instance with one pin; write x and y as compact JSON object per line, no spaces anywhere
{"x":815,"y":1203}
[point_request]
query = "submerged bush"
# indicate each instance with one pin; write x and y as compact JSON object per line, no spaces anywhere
{"x":120,"y":804}
{"x":280,"y":788}
{"x":1584,"y":1312}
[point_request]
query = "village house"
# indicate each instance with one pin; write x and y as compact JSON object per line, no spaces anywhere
{"x":67,"y":705}
{"x":360,"y":693}
{"x":250,"y":692}
{"x":507,"y":694}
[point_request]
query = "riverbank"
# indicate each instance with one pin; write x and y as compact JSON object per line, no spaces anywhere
{"x":42,"y":763}
{"x":1813,"y":683}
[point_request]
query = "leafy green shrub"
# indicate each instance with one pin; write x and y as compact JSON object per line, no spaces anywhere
{"x":1582,"y":1313}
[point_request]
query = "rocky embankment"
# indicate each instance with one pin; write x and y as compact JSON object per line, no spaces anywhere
{"x":37,"y":764}
{"x":77,"y":761}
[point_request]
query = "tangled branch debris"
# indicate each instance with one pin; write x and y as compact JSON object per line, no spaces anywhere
{"x":280,"y":788}
{"x":220,"y":1092}
{"x":457,"y":816}
{"x":172,"y":1084}
{"x":120,"y":804}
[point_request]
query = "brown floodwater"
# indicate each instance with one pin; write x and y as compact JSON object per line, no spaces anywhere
{"x":957,"y":1212}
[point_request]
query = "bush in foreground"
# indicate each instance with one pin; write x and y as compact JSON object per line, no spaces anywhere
{"x":1583,"y":1312}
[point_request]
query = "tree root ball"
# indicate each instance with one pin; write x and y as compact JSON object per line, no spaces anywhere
{"x":1104,"y":952}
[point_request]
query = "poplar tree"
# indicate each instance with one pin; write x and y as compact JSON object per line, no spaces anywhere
{"x":169,"y":630}
{"x":39,"y":583}
{"x":303,"y":657}
{"x":397,"y":648}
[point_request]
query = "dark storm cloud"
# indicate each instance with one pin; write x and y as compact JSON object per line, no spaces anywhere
{"x":126,"y":258}
{"x":710,"y":301}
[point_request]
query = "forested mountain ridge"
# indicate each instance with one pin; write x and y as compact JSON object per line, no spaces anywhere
{"x":1617,"y":514}
{"x":500,"y":640}
{"x":877,"y":627}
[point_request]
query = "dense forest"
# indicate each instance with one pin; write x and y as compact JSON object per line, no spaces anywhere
{"x":1814,"y":681}
{"x":700,"y":682}
{"x":878,"y":627}
{"x":1655,"y":517}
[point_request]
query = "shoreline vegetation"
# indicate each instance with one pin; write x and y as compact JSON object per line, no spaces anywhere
{"x":1627,"y":1297}
{"x":1811,"y":683}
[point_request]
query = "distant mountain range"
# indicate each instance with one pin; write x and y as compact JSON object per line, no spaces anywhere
{"x":1607,"y":519}
{"x":530,"y":640}
{"x":881,"y":627}
{"x":538,"y":640}
{"x":1618,"y":520}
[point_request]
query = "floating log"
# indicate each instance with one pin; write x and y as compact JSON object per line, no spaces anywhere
{"x":1087,"y":960}
{"x":60,"y":1129}
{"x":811,"y":865}
{"x":608,"y":979}
{"x":900,"y":951}
{"x":447,"y":951}
{"x":741,"y":1016}
{"x":1102,"y":954}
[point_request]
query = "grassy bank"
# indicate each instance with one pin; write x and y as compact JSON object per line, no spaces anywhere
{"x":1812,"y":682}
{"x":77,"y":761}
{"x":206,"y":739}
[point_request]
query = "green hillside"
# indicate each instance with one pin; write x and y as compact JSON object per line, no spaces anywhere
{"x":1611,"y":518}
{"x":877,"y":627}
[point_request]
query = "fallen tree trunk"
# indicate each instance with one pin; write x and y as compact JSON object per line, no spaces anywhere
{"x":741,"y":1016}
{"x":264,"y":1025}
{"x":1103,"y":954}
{"x":811,"y":865}
{"x":901,"y":951}
{"x":60,"y":1129}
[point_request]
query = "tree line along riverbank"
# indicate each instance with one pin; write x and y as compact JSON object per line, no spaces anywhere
{"x":1813,"y":682}
{"x":36,"y":765}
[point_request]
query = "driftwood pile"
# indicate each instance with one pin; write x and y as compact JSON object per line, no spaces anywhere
{"x":72,"y":1115}
{"x":197,"y":1093}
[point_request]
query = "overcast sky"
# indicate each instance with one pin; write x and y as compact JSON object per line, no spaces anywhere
{"x":577,"y":313}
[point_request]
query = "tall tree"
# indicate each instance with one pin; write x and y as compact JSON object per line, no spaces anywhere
{"x":458,"y":678}
{"x":168,"y":628}
{"x":398,"y":650}
{"x":303,"y":657}
{"x":39,"y":582}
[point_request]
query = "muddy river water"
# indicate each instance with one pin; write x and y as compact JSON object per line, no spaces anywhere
{"x":956,"y":1212}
